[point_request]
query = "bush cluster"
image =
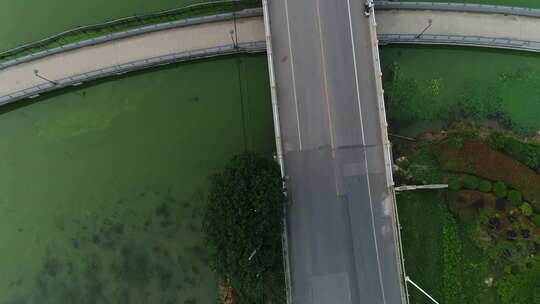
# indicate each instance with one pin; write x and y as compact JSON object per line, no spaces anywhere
{"x":485,"y":186}
{"x":470,"y":182}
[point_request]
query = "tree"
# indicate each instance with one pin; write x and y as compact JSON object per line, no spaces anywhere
{"x":243,"y":222}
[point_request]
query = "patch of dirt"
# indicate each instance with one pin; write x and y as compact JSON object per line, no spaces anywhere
{"x":227,"y":295}
{"x":477,"y":158}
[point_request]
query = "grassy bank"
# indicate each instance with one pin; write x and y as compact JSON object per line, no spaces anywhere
{"x":103,"y":187}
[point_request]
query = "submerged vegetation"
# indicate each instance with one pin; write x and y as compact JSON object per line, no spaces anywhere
{"x":460,"y":84}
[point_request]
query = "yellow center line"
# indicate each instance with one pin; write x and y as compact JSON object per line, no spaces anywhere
{"x":325,"y":79}
{"x":327,"y":97}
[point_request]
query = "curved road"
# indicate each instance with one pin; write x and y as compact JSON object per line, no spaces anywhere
{"x":115,"y":52}
{"x":213,"y":34}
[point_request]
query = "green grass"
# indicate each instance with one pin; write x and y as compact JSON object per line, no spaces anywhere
{"x":456,"y":82}
{"x":439,"y":254}
{"x":102,"y":187}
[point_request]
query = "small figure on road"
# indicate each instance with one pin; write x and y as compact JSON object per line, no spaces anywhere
{"x":368,"y":7}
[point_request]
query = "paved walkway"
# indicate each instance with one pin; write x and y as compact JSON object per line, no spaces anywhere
{"x":458,"y":23}
{"x":404,"y":21}
{"x":126,"y":50}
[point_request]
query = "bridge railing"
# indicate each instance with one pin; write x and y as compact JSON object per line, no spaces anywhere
{"x":462,"y":7}
{"x":128,"y":26}
{"x":388,"y":161}
{"x":279,"y":146}
{"x":463,"y":40}
{"x":76,"y":80}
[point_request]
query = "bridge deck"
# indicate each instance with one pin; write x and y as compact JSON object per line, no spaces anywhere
{"x":341,"y":225}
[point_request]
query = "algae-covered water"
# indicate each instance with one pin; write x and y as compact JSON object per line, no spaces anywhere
{"x":23,"y":21}
{"x":435,"y":83}
{"x":101,"y":189}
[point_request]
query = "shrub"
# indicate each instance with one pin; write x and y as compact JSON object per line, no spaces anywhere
{"x":526,"y":209}
{"x":497,"y":140}
{"x":536,"y":220}
{"x":470,"y":182}
{"x":514,"y":197}
{"x":454,"y":184}
{"x":457,"y":142}
{"x":484,"y":186}
{"x":500,"y":189}
{"x":244,"y":213}
{"x":423,"y":168}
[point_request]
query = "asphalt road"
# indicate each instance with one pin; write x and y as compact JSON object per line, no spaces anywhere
{"x":340,"y":222}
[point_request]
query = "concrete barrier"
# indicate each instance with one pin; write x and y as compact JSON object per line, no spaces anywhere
{"x":461,"y":40}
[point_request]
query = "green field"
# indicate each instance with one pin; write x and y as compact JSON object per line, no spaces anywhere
{"x":448,"y":265}
{"x":437,"y":85}
{"x":27,"y":21}
{"x":102,"y":188}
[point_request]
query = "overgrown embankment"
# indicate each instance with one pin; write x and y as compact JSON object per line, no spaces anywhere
{"x":477,"y":158}
{"x":479,"y":240}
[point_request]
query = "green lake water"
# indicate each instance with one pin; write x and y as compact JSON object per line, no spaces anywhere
{"x":446,"y":76}
{"x":24,"y":21}
{"x":102,"y":188}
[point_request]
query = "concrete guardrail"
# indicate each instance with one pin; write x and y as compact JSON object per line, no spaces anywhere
{"x":76,"y":80}
{"x":461,"y":40}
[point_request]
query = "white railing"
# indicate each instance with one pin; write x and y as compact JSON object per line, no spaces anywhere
{"x":463,"y":40}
